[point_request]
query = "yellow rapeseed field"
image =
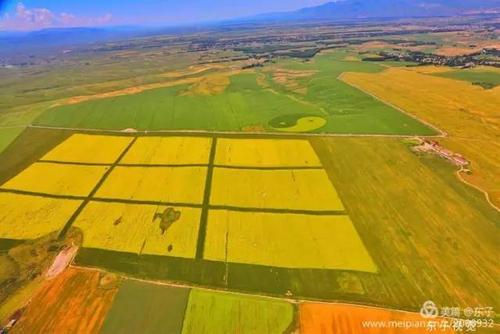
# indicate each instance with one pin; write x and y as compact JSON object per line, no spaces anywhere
{"x":275,"y":189}
{"x":286,"y":240}
{"x":89,"y":149}
{"x":57,"y":179}
{"x":132,"y":228}
{"x":30,"y":217}
{"x":167,"y":184}
{"x":169,"y":151}
{"x":265,"y":153}
{"x":469,"y":115}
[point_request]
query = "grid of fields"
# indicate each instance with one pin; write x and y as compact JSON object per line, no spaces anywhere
{"x":216,"y":199}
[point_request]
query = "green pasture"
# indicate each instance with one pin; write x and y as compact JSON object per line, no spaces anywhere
{"x":214,"y":312}
{"x":245,"y":103}
{"x":146,"y":308}
{"x":485,"y":79}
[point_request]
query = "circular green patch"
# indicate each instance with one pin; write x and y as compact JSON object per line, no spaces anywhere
{"x":297,"y":123}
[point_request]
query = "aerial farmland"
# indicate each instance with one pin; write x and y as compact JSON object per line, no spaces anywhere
{"x":292,"y":178}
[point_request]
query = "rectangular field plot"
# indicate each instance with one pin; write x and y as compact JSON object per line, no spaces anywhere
{"x":146,"y":308}
{"x":165,"y":184}
{"x":286,"y":240}
{"x":89,"y":149}
{"x":57,"y":179}
{"x":137,"y":229}
{"x":265,"y":153}
{"x":169,"y":151}
{"x":232,"y":313}
{"x":274,"y":189}
{"x":30,"y":217}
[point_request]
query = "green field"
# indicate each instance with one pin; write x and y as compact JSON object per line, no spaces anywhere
{"x":146,"y":308}
{"x":212,"y":312}
{"x":485,"y":79}
{"x":7,"y":136}
{"x":246,"y":103}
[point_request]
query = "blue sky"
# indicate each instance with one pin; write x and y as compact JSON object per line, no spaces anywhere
{"x":36,"y":14}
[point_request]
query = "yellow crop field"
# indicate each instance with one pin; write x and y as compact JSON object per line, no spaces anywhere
{"x":167,"y":184}
{"x":57,"y":179}
{"x":89,"y":149}
{"x":286,"y":240}
{"x":274,"y":189}
{"x":133,"y":228}
{"x":169,"y":151}
{"x":265,"y":153}
{"x":468,"y":114}
{"x":30,"y":217}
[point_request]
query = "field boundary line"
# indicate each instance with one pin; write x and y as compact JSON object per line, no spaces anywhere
{"x":280,"y":211}
{"x":432,"y":126}
{"x":40,"y":194}
{"x":233,"y":134}
{"x":12,"y":127}
{"x":128,"y":165}
{"x":75,"y":163}
{"x":295,"y":301}
{"x":145,"y":202}
{"x":75,"y":215}
{"x":202,"y":231}
{"x":270,"y":168}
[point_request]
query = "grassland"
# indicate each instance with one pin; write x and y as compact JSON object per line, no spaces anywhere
{"x":134,"y":229}
{"x":77,"y":301}
{"x":469,"y":114}
{"x":146,"y":308}
{"x":230,"y":313}
{"x":160,"y":184}
{"x":29,"y":217}
{"x":422,"y":213}
{"x":347,"y":109}
{"x":7,"y":136}
{"x":89,"y":149}
{"x":286,"y":240}
{"x":274,"y":189}
{"x":246,"y":100}
{"x":485,"y":77}
{"x":242,"y":104}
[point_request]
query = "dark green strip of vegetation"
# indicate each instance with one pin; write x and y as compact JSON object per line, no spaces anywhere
{"x":206,"y":201}
{"x":27,"y":149}
{"x":314,"y":284}
{"x":38,"y":194}
{"x":73,"y":163}
{"x":162,"y":165}
{"x":144,"y":202}
{"x":73,"y":217}
{"x":269,"y":168}
{"x":282,"y":211}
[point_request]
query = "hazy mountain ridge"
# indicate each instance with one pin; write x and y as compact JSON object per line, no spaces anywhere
{"x":352,"y":9}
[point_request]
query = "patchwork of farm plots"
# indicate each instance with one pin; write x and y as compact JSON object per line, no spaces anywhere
{"x":88,"y":301}
{"x":250,"y":201}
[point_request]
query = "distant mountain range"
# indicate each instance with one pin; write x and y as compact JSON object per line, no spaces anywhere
{"x":358,"y":9}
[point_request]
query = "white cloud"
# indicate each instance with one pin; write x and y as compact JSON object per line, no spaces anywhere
{"x":38,"y":18}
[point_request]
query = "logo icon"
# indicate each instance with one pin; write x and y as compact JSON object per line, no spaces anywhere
{"x":429,"y":310}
